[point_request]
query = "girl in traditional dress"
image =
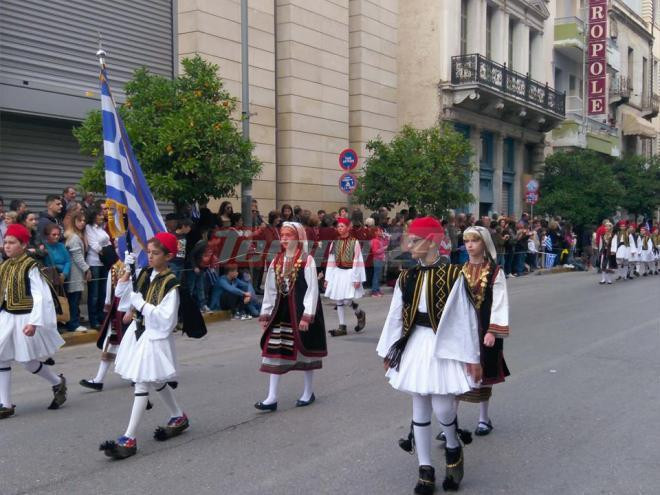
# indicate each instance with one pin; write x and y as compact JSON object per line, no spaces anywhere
{"x":291,"y":317}
{"x":28,"y":320}
{"x":146,"y":354}
{"x":486,"y":283}
{"x":430,"y":346}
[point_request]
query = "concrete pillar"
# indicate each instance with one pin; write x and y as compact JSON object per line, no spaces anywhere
{"x":521,"y":48}
{"x":498,"y":166}
{"x":450,"y":44}
{"x":519,"y":162}
{"x":539,"y":63}
{"x":476,"y":42}
{"x":500,"y":36}
{"x":475,"y":142}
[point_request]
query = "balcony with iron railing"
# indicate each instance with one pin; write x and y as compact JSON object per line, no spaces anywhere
{"x":650,"y":104}
{"x":475,"y":69}
{"x":620,"y":89}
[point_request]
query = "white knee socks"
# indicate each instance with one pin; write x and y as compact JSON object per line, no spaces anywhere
{"x":340,"y":313}
{"x":5,"y":384}
{"x":309,"y":388}
{"x":445,"y":407}
{"x":483,"y":412}
{"x":272,"y":389}
{"x":422,"y":416}
{"x":167,"y":395}
{"x":38,"y":368}
{"x":104,"y":366}
{"x":139,"y":406}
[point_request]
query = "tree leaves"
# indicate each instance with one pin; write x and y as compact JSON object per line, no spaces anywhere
{"x":427,"y":169}
{"x":182,"y":134}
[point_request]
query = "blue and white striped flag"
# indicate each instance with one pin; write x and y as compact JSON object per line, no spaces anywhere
{"x":126,"y":188}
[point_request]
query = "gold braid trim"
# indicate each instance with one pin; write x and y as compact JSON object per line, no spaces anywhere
{"x":290,"y":275}
{"x":14,"y":281}
{"x":477,"y":283}
{"x":344,"y":251}
{"x":159,"y":287}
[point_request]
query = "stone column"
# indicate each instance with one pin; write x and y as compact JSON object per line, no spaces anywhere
{"x":475,"y":142}
{"x":521,"y":48}
{"x":500,"y":36}
{"x":519,"y":163}
{"x":539,"y":63}
{"x":498,"y":166}
{"x":476,"y":41}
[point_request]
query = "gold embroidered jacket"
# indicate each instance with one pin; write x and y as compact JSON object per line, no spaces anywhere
{"x":15,"y":294}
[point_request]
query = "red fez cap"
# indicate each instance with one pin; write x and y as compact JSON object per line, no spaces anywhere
{"x":622,"y":223}
{"x":425,"y":227}
{"x":168,"y":241}
{"x":343,"y":220}
{"x":19,"y":232}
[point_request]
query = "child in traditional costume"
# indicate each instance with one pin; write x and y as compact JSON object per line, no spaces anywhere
{"x":112,"y":329}
{"x":28,"y":320}
{"x":344,"y":276}
{"x":646,"y":250}
{"x":291,"y":317}
{"x":486,"y":283}
{"x":430,"y":346}
{"x":606,"y":255}
{"x":621,"y":247}
{"x":146,"y":355}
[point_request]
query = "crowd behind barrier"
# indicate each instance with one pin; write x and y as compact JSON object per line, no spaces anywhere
{"x":222,"y":262}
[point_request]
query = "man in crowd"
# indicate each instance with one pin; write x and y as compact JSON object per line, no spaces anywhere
{"x":68,"y":198}
{"x":50,"y":215}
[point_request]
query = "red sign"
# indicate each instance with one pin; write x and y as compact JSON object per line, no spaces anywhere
{"x":531,"y":197}
{"x":348,"y":159}
{"x":597,"y":58}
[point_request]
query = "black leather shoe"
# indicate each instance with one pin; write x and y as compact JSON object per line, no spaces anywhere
{"x":483,"y":429}
{"x":90,"y":384}
{"x":303,"y":403}
{"x":266,"y":407}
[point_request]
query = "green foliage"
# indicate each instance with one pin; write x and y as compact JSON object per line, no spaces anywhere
{"x":640,"y":177}
{"x":182,"y":135}
{"x":580,"y":186}
{"x":428,"y":169}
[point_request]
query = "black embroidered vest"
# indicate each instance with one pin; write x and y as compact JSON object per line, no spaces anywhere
{"x":15,"y":296}
{"x":154,"y":291}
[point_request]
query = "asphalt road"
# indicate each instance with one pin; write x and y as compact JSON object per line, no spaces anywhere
{"x":578,"y":415}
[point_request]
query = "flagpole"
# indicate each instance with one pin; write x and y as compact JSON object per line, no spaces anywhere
{"x":246,"y":187}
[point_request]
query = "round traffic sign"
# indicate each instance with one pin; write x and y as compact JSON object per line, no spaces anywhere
{"x":347,"y":183}
{"x":348,"y":159}
{"x":532,"y":185}
{"x":531,"y":197}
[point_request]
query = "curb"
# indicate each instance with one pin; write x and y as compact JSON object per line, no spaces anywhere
{"x":91,"y":336}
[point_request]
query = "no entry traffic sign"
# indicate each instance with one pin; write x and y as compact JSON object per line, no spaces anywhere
{"x":347,"y":183}
{"x":348,"y":159}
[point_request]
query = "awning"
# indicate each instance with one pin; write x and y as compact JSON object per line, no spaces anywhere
{"x":633,"y":125}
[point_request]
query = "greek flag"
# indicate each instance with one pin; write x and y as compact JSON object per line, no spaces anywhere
{"x":126,"y":189}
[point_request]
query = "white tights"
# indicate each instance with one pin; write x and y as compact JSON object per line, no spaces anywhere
{"x":274,"y":383}
{"x":35,"y":367}
{"x":140,"y":404}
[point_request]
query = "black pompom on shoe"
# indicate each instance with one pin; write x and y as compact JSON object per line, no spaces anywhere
{"x":59,"y":394}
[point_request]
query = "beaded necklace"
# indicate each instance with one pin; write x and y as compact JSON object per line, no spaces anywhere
{"x":477,"y":281}
{"x":286,"y":278}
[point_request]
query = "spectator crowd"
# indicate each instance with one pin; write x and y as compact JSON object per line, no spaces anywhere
{"x":222,"y":261}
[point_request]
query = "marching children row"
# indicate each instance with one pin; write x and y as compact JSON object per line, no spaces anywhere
{"x":628,"y":252}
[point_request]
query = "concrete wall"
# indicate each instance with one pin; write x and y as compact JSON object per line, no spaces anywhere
{"x":212,"y":29}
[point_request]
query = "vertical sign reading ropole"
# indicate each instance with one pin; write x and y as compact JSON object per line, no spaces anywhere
{"x":597,"y":58}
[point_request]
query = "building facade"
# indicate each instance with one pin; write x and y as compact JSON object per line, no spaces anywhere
{"x":632,"y":82}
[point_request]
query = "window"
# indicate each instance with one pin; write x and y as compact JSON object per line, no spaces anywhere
{"x":489,"y":33}
{"x":529,"y":54}
{"x":572,"y":84}
{"x":512,"y":25}
{"x":464,"y":26}
{"x":645,"y":81}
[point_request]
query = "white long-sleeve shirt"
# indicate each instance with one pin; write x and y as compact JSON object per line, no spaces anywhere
{"x":311,"y":297}
{"x":97,"y":238}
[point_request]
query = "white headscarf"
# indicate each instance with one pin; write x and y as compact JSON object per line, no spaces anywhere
{"x":484,"y":233}
{"x":300,"y":232}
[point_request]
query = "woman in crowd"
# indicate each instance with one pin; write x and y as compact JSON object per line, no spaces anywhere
{"x":97,"y":238}
{"x":74,"y":236}
{"x":225,"y":212}
{"x":286,"y":213}
{"x":35,"y":248}
{"x":57,"y":257}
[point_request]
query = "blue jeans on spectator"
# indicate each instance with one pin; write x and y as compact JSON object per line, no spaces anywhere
{"x":508,"y":263}
{"x":253,"y":307}
{"x":377,"y":275}
{"x":74,"y":310}
{"x":198,"y":288}
{"x":500,"y":260}
{"x":96,"y":295}
{"x":176,"y":265}
{"x":519,"y":263}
